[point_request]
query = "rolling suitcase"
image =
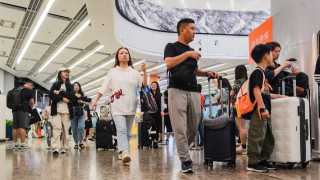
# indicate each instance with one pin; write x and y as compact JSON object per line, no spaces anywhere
{"x":219,"y":137}
{"x":106,"y":135}
{"x":144,"y":134}
{"x":290,"y":119}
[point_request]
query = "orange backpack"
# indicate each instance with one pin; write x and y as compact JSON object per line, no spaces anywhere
{"x":243,"y":104}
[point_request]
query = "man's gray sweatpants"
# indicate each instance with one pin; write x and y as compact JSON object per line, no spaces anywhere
{"x":185,"y":113}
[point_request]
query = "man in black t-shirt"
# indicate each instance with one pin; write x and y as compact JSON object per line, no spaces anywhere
{"x":21,"y":116}
{"x":184,"y":97}
{"x":260,"y":138}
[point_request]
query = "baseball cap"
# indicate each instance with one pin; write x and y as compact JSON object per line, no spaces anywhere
{"x":64,"y":69}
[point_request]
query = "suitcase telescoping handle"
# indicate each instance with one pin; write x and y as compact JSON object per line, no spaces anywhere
{"x":294,"y":85}
{"x":221,"y":95}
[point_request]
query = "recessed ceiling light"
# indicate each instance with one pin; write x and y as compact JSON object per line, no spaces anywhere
{"x":35,"y":30}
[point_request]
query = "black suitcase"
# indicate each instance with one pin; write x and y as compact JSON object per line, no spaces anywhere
{"x":105,"y":135}
{"x":144,"y":139}
{"x":219,"y":139}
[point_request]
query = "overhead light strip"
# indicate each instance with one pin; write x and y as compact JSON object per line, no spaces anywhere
{"x":35,"y":30}
{"x":139,"y":62}
{"x":107,"y":63}
{"x":149,"y":70}
{"x":212,"y":67}
{"x":87,"y":56}
{"x":93,"y":82}
{"x":66,"y":44}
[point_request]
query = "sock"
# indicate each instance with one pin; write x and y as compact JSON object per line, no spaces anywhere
{"x":16,"y":143}
{"x":22,"y":144}
{"x":244,"y":146}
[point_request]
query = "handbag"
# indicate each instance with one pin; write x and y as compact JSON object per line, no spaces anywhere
{"x":147,"y":101}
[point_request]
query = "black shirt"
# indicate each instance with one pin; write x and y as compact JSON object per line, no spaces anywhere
{"x":275,"y":82}
{"x":302,"y":80}
{"x":183,"y":76}
{"x":87,"y":110}
{"x":26,"y":95}
{"x":256,"y":78}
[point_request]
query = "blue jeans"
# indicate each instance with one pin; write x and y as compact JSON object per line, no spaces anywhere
{"x":124,"y":126}
{"x":201,"y":131}
{"x":77,"y":126}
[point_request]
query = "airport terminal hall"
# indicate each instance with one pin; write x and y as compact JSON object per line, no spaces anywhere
{"x":159,"y":89}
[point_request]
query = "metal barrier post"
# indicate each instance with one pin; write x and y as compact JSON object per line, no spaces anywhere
{"x":163,"y":141}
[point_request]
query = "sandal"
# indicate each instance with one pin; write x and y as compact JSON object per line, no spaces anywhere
{"x":76,"y":146}
{"x":82,"y":146}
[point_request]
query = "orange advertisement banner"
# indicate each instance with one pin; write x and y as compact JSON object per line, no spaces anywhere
{"x":261,"y":35}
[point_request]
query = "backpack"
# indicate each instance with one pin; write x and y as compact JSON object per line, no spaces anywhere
{"x":243,"y":104}
{"x":105,"y":112}
{"x":14,"y":98}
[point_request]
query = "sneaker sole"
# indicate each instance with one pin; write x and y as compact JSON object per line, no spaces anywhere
{"x":126,"y":159}
{"x":187,"y":171}
{"x":254,"y":170}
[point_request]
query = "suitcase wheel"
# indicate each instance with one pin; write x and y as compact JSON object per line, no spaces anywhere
{"x":304,"y":165}
{"x":290,"y":165}
{"x":273,"y":163}
{"x":208,"y":163}
{"x":231,"y":164}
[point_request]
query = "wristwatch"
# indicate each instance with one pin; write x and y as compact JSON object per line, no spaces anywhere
{"x":262,"y":109}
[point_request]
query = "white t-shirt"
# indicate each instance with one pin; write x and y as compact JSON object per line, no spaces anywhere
{"x":62,"y":107}
{"x":121,"y":86}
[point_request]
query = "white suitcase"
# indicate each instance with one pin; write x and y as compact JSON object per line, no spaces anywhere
{"x":290,"y":119}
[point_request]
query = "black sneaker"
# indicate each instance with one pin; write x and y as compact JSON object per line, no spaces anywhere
{"x":155,"y":145}
{"x":186,"y":167}
{"x":257,"y":168}
{"x":160,"y":141}
{"x":267,"y":165}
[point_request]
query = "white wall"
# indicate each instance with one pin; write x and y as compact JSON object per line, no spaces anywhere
{"x":1,"y":81}
{"x":295,"y":21}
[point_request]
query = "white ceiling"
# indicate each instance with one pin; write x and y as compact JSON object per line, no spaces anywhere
{"x":231,"y":5}
{"x":60,"y":16}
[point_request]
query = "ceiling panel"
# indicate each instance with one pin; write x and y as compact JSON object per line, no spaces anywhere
{"x":25,"y":65}
{"x":67,"y":8}
{"x":22,"y":3}
{"x":35,"y":51}
{"x":11,"y":15}
{"x":6,"y":45}
{"x":95,"y":58}
{"x":50,"y":29}
{"x":66,"y":55}
{"x":51,"y":68}
{"x":75,"y":71}
{"x":84,"y":38}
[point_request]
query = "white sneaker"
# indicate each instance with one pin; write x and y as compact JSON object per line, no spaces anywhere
{"x":125,"y":157}
{"x":16,"y":146}
{"x":56,"y":151}
{"x":24,"y":146}
{"x":63,"y":151}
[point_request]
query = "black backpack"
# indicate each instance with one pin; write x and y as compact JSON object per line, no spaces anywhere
{"x":14,"y":98}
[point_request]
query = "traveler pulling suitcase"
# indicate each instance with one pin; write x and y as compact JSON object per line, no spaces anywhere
{"x":291,"y":129}
{"x":106,"y":133}
{"x":219,"y":136}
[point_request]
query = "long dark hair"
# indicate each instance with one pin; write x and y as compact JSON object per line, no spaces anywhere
{"x":158,"y":87}
{"x":225,"y":84}
{"x":59,"y":79}
{"x":80,"y":90}
{"x":241,"y":72}
{"x":117,"y":62}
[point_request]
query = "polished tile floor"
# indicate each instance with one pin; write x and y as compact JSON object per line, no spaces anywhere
{"x":162,"y":163}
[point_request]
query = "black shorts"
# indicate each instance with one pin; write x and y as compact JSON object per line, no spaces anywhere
{"x":20,"y":120}
{"x":88,"y":124}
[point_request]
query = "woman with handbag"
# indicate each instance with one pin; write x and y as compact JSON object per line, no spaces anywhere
{"x":156,"y":117}
{"x":121,"y":86}
{"x":61,"y":94}
{"x":77,"y":123}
